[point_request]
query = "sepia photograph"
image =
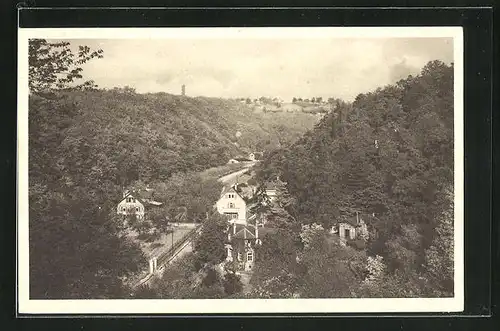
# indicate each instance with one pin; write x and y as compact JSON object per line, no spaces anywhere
{"x":240,"y":170}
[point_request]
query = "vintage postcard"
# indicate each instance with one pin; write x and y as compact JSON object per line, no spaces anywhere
{"x":240,"y":170}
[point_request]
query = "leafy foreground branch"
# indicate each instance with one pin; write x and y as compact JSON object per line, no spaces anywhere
{"x":54,"y":66}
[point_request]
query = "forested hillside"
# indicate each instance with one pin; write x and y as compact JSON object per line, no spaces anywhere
{"x":389,"y":154}
{"x":87,"y":145}
{"x":156,"y":135}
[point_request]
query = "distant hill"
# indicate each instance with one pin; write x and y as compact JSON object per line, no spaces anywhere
{"x":151,"y":136}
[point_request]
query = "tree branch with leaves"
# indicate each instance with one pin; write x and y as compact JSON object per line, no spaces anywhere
{"x":54,"y":66}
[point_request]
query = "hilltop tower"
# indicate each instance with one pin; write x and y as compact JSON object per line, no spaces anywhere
{"x":183,"y":89}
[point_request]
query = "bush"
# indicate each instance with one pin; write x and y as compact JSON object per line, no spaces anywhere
{"x":357,"y":243}
{"x":145,"y":292}
{"x":252,"y":182}
{"x":210,"y":278}
{"x":156,"y":245}
{"x":232,"y":284}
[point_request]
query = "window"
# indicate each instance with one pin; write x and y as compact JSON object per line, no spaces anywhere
{"x":231,"y":215}
{"x":250,"y":256}
{"x":239,"y":256}
{"x":231,"y":205}
{"x":136,"y":208}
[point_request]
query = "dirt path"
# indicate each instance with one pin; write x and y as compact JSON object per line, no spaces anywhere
{"x":228,"y":179}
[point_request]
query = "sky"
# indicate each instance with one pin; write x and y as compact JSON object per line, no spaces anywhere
{"x":285,"y":68}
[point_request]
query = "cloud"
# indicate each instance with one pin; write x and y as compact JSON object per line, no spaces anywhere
{"x":286,"y":68}
{"x":402,"y":70}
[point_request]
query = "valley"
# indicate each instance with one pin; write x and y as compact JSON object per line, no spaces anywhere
{"x":155,"y":195}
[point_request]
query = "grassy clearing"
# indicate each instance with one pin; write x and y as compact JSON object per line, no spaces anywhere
{"x":217,"y":172}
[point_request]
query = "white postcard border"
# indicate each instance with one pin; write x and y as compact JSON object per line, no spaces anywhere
{"x":188,"y":306}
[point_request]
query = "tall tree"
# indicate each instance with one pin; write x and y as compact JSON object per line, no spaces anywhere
{"x":439,"y":256}
{"x":277,"y":273}
{"x":53,"y":65}
{"x":280,"y":211}
{"x":209,"y":244}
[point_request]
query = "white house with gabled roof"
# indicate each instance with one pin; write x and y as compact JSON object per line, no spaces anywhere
{"x":131,"y":204}
{"x":232,"y":204}
{"x":135,"y":202}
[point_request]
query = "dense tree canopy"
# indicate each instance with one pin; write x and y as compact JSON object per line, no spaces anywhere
{"x":389,"y":154}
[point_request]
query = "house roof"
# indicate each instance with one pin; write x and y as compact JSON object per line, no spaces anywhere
{"x":252,"y":217}
{"x":352,"y":220}
{"x":135,"y":195}
{"x":242,"y":159}
{"x":229,"y":189}
{"x":244,"y":232}
{"x":144,"y":197}
{"x":155,"y":203}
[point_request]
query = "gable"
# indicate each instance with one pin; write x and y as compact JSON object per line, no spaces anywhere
{"x":244,"y":234}
{"x":135,"y":199}
{"x":348,"y":225}
{"x":232,"y":191}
